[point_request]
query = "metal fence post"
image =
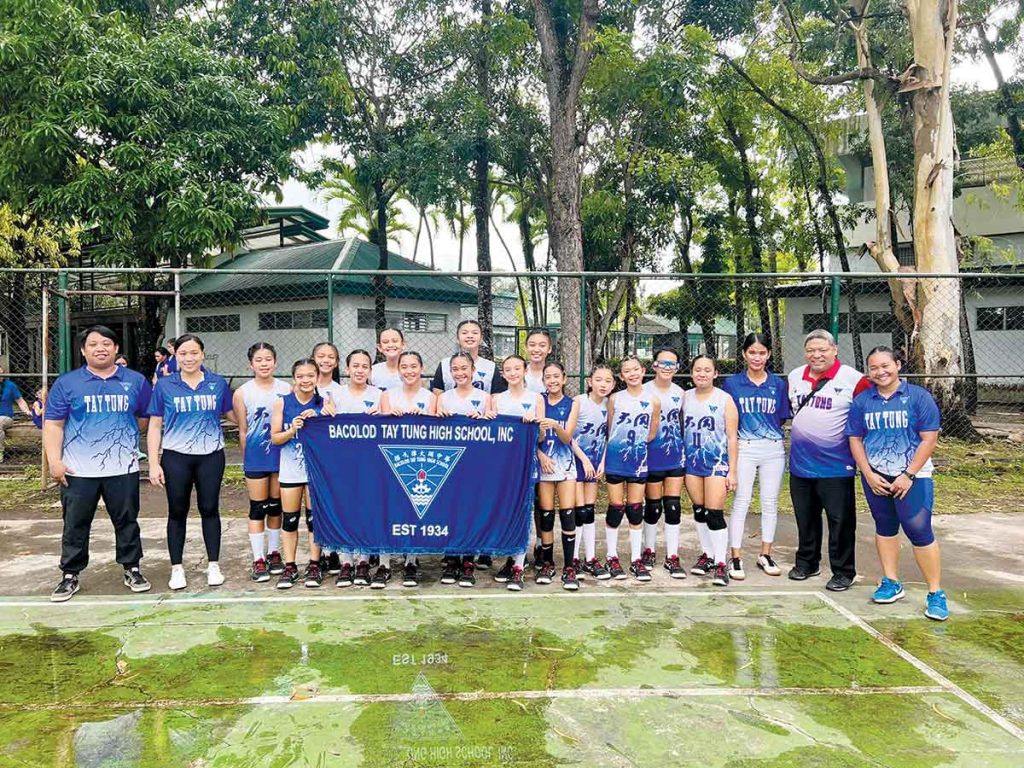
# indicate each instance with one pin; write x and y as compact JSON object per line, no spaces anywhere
{"x":177,"y":303}
{"x":330,"y":308}
{"x":44,"y":364}
{"x":583,"y":333}
{"x":834,"y":309}
{"x":63,"y":329}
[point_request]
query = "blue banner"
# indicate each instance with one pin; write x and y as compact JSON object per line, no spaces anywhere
{"x":421,"y":485}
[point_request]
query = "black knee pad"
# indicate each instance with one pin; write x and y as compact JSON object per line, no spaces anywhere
{"x":716,"y":520}
{"x":652,"y":511}
{"x":673,"y":512}
{"x":290,"y":523}
{"x":700,"y":514}
{"x":257,"y":510}
{"x":547,"y":520}
{"x":614,"y":515}
{"x":309,"y":519}
{"x":567,"y":519}
{"x":578,"y":516}
{"x":635,"y":513}
{"x":273,"y":507}
{"x":587,"y":514}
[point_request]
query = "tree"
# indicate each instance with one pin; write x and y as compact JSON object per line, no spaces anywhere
{"x":359,"y":204}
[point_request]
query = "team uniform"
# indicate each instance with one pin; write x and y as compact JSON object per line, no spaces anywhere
{"x":665,"y":455}
{"x":534,"y":383}
{"x":626,"y":457}
{"x":560,"y":453}
{"x":591,"y":434}
{"x":292,"y":472}
{"x":707,"y":444}
{"x":332,"y":391}
{"x":383,"y":378}
{"x":262,"y":457}
{"x":486,"y":376}
{"x":9,"y":395}
{"x":507,"y":405}
{"x":420,"y":401}
{"x":347,"y":401}
{"x":452,"y":402}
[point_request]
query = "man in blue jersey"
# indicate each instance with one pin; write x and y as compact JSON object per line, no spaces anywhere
{"x":91,"y":437}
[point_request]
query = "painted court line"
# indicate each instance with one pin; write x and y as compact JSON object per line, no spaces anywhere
{"x":948,"y":685}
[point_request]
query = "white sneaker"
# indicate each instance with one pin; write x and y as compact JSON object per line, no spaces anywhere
{"x":736,"y":569}
{"x":213,"y":575}
{"x":177,"y":580}
{"x":767,"y":564}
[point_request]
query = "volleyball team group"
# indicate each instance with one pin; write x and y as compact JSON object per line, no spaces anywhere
{"x":646,"y":441}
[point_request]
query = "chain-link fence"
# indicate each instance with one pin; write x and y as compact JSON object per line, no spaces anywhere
{"x":962,"y":333}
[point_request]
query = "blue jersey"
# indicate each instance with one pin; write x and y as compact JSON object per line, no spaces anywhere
{"x":172,"y":366}
{"x":890,"y":428}
{"x":707,"y":444}
{"x":293,"y":463}
{"x":191,"y":416}
{"x":627,"y":438}
{"x":101,"y":434}
{"x":666,"y":450}
{"x":763,"y":408}
{"x":9,"y":394}
{"x":261,"y":455}
{"x":591,"y":433}
{"x":559,"y":452}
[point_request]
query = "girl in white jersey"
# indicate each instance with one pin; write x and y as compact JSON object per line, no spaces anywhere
{"x":710,"y":424}
{"x":590,"y":440}
{"x":328,"y":359}
{"x":538,"y":350}
{"x":519,"y":402}
{"x":391,"y":344}
{"x":252,"y":404}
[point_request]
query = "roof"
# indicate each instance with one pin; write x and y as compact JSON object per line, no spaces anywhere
{"x":224,"y":287}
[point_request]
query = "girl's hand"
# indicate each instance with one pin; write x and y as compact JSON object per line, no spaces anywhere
{"x":397,"y":411}
{"x":730,"y":481}
{"x":529,"y":418}
{"x":373,"y":411}
{"x":546,"y":423}
{"x":309,"y":413}
{"x":298,"y":421}
{"x":600,"y":471}
{"x":878,"y":484}
{"x":328,"y":408}
{"x":547,"y":466}
{"x":588,"y":468}
{"x":443,"y":413}
{"x":900,"y":487}
{"x":156,"y":474}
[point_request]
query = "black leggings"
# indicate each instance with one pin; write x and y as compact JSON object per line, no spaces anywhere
{"x":182,"y":471}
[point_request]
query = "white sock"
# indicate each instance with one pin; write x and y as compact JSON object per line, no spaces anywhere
{"x":589,"y":545}
{"x":611,"y":538}
{"x":520,"y":560}
{"x":671,"y":539}
{"x":636,"y":536}
{"x":651,"y":536}
{"x":273,"y":539}
{"x":705,"y":539}
{"x":256,"y":543}
{"x":719,"y":544}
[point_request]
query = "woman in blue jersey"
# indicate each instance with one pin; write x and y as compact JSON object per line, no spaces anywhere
{"x":390,"y":344}
{"x":253,"y":403}
{"x":665,"y":466}
{"x":589,"y":443}
{"x":557,"y":478}
{"x":538,"y":350}
{"x":633,"y":417}
{"x":519,"y":402}
{"x":185,"y":413}
{"x":762,"y":401}
{"x":893,"y":427}
{"x":710,"y":427}
{"x":287,"y":418}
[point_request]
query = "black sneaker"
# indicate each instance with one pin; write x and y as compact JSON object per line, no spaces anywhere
{"x":796,"y":573}
{"x":333,"y":563}
{"x":344,"y":576}
{"x":538,"y":552}
{"x":450,"y":574}
{"x":638,"y":569}
{"x":410,"y":575}
{"x":515,"y":582}
{"x":577,"y":566}
{"x":720,"y":576}
{"x":66,"y":589}
{"x":839,"y":583}
{"x":546,"y":574}
{"x":275,"y":563}
{"x":362,"y":577}
{"x":468,"y":576}
{"x":314,"y":576}
{"x":135,"y":581}
{"x":484,"y":562}
{"x":260,"y":572}
{"x":323,"y":562}
{"x":381,"y":577}
{"x":674,"y":567}
{"x":374,"y":561}
{"x":596,"y":569}
{"x":703,"y":566}
{"x":288,"y":576}
{"x":505,"y":573}
{"x":569,"y":580}
{"x":615,"y":569}
{"x":648,"y":558}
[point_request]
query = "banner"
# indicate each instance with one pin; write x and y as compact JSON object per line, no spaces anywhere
{"x":421,"y":485}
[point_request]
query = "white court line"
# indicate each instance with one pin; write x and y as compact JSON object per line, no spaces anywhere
{"x":949,"y":686}
{"x":589,"y":694}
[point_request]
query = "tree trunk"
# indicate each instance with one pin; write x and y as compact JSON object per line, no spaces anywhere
{"x":776,"y":363}
{"x":512,"y":262}
{"x":536,"y":288}
{"x":380,"y":282}
{"x":481,"y":181}
{"x":430,"y":242}
{"x":703,"y":316}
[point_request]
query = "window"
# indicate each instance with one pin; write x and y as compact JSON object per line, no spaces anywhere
{"x":905,"y":255}
{"x":212,"y":324}
{"x":407,"y":322}
{"x":867,"y":322}
{"x":1000,"y":319}
{"x":296,"y":319}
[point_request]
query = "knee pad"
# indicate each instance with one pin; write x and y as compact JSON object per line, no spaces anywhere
{"x":673,"y":512}
{"x":547,"y":520}
{"x":652,"y":511}
{"x":716,"y":520}
{"x":290,"y":523}
{"x":273,"y":507}
{"x":587,"y":514}
{"x":635,"y":513}
{"x":578,"y":516}
{"x":567,"y":519}
{"x":614,"y":515}
{"x":257,"y":510}
{"x":309,"y":519}
{"x":700,"y":514}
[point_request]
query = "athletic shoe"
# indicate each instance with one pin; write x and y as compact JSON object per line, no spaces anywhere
{"x":648,"y":558}
{"x":484,"y":562}
{"x":275,"y":563}
{"x":345,"y":576}
{"x":362,"y":577}
{"x":674,"y":567}
{"x":569,"y":580}
{"x":333,"y":564}
{"x":703,"y":566}
{"x":177,"y":580}
{"x":66,"y":589}
{"x":410,"y":575}
{"x":314,"y":576}
{"x":468,"y":576}
{"x":515,"y":582}
{"x":450,"y":574}
{"x":381,"y":578}
{"x":615,"y":569}
{"x":936,"y":606}
{"x":839,"y":583}
{"x":578,"y":567}
{"x":546,"y":574}
{"x":538,"y":552}
{"x":135,"y":581}
{"x":638,"y":569}
{"x":889,"y":591}
{"x":505,"y":573}
{"x":721,"y":576}
{"x":374,"y":561}
{"x":288,"y":576}
{"x":260,"y":572}
{"x":766,"y":564}
{"x":214,"y":578}
{"x":796,"y":573}
{"x":736,"y":569}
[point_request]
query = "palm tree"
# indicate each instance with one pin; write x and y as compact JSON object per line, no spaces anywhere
{"x":359,"y":207}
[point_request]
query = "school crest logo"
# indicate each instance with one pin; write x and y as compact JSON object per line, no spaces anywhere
{"x":421,"y":470}
{"x":368,"y":403}
{"x":126,"y":386}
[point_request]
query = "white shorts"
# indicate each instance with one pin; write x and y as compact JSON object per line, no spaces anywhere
{"x":565,"y":469}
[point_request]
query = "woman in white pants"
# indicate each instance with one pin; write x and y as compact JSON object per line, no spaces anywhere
{"x":763,"y":404}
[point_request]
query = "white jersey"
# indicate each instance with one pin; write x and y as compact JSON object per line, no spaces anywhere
{"x":384,"y":378}
{"x":452,"y":402}
{"x":818,"y":446}
{"x":260,"y":454}
{"x":535,"y":383}
{"x":483,"y":374}
{"x":350,"y":402}
{"x":331,"y":392}
{"x":506,"y":404}
{"x":418,"y":402}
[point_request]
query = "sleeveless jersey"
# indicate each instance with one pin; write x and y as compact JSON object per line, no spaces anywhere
{"x":507,"y":405}
{"x":348,"y":402}
{"x":762,"y":407}
{"x":707,"y":445}
{"x":818,"y":446}
{"x":384,"y":379}
{"x":534,"y":383}
{"x":483,"y":375}
{"x":666,"y":450}
{"x":559,"y":452}
{"x":420,"y":401}
{"x":591,"y":434}
{"x":332,"y":392}
{"x":293,"y":463}
{"x":452,"y":402}
{"x":627,"y":439}
{"x":260,"y":454}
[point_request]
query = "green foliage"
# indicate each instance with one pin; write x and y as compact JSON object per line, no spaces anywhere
{"x":28,"y":242}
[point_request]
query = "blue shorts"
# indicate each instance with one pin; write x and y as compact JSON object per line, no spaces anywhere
{"x":913,"y":512}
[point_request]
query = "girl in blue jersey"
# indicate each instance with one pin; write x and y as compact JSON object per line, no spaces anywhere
{"x":538,"y":350}
{"x":253,"y":403}
{"x":589,"y":442}
{"x":185,"y":413}
{"x":633,"y":417}
{"x":557,"y":477}
{"x":519,"y":402}
{"x":390,"y":344}
{"x":665,"y":466}
{"x":287,"y":418}
{"x":893,"y":427}
{"x":710,"y":426}
{"x":762,"y":401}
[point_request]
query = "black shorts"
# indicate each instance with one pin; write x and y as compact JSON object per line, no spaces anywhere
{"x":292,"y":485}
{"x":258,"y":475}
{"x":658,"y":475}
{"x":620,"y":479}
